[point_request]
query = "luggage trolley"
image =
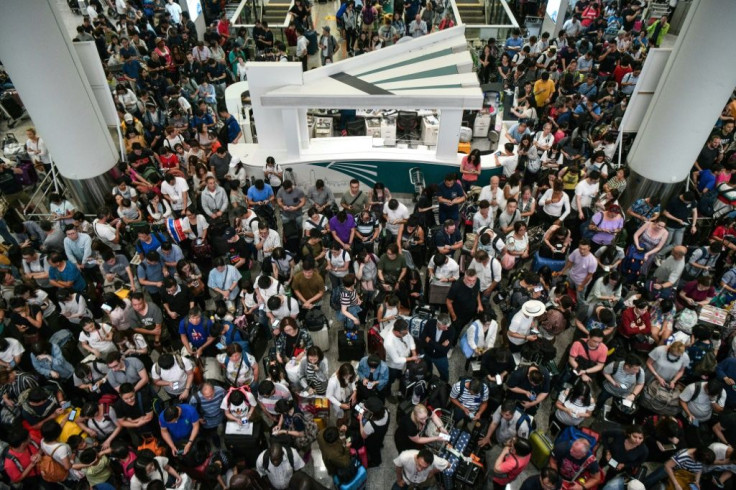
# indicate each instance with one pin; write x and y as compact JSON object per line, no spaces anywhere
{"x":11,"y":108}
{"x":416,"y":177}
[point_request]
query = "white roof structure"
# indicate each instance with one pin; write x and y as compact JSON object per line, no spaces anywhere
{"x":434,"y":71}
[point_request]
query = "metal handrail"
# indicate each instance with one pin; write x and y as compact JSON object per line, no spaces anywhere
{"x":45,"y":186}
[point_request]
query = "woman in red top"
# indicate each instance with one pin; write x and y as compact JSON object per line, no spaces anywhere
{"x":169,"y":159}
{"x":636,"y":326}
{"x":591,"y":13}
{"x":470,"y":169}
{"x":514,"y":457}
{"x":165,"y":54}
{"x":623,"y":66}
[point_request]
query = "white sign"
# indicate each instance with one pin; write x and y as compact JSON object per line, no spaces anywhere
{"x":195,"y":9}
{"x":553,"y":8}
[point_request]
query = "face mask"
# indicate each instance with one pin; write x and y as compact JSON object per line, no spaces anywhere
{"x":672,"y":358}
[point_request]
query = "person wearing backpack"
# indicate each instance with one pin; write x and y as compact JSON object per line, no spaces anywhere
{"x":368,"y":17}
{"x":313,"y":60}
{"x":56,"y":463}
{"x":699,"y":402}
{"x":278,"y":464}
{"x":507,"y":423}
{"x":327,"y":45}
{"x":22,"y":459}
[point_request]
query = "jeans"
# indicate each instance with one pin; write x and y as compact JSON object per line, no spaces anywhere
{"x":347,"y":321}
{"x":443,"y":366}
{"x":618,"y":483}
{"x":335,"y":283}
{"x":654,"y":477}
{"x":675,"y":237}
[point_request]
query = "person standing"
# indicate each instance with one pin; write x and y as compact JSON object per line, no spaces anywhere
{"x":437,"y":342}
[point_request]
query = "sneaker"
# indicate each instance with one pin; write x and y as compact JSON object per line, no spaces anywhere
{"x":717,"y":482}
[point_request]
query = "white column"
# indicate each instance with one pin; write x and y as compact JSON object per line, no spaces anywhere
{"x":292,"y":132}
{"x":695,"y":85}
{"x":303,"y":128}
{"x":448,"y":136}
{"x":38,"y":54}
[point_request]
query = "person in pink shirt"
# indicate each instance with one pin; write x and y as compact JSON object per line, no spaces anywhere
{"x":513,"y":459}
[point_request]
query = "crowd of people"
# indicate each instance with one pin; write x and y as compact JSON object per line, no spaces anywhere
{"x":179,"y":337}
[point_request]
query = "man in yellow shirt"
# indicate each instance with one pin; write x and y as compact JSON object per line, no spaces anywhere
{"x":543,"y":90}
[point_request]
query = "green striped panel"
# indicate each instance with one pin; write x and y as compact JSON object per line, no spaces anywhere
{"x":437,"y":72}
{"x":436,"y":54}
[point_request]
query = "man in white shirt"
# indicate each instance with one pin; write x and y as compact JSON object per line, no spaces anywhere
{"x":585,"y":192}
{"x":483,"y":217}
{"x":11,"y":352}
{"x":175,"y":189}
{"x":489,"y":272}
{"x":400,"y":349}
{"x":395,"y":214}
{"x":507,"y":159}
{"x":266,"y":241}
{"x":279,"y":464}
{"x":494,"y":195}
{"x":279,"y":307}
{"x":414,"y":468}
{"x":107,"y":233}
{"x":443,"y":270}
{"x":174,"y":10}
{"x":520,"y":328}
{"x":175,"y":374}
{"x":573,"y":27}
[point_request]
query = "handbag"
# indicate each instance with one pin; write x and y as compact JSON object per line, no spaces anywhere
{"x":508,"y":261}
{"x":196,"y":287}
{"x":201,"y":248}
{"x":585,"y":230}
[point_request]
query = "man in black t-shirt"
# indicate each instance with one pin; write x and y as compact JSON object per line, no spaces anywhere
{"x":710,"y":154}
{"x":233,"y":247}
{"x":134,"y":411}
{"x":463,"y":302}
{"x":141,"y":158}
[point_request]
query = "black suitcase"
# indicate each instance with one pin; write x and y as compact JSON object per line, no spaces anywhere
{"x":350,"y":348}
{"x":247,"y":447}
{"x":11,"y":106}
{"x":468,"y":476}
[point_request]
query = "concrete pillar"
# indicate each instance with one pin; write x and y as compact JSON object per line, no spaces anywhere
{"x":448,"y":135}
{"x":696,"y":83}
{"x":40,"y":59}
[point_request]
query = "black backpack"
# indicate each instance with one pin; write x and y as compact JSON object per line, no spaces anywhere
{"x":313,"y":45}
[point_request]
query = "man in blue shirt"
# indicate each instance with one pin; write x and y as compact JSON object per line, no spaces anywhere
{"x":151,"y":275}
{"x":260,"y":194}
{"x":448,"y":239}
{"x":147,"y":241}
{"x":179,"y":423}
{"x":131,"y":69}
{"x":517,"y":131}
{"x":233,"y":128}
{"x":62,"y":274}
{"x":450,"y":195}
{"x":588,"y":88}
{"x":514,"y":43}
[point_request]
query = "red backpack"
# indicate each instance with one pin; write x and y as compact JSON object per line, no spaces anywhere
{"x":375,"y":341}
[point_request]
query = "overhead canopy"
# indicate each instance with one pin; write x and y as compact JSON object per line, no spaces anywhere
{"x":434,"y":71}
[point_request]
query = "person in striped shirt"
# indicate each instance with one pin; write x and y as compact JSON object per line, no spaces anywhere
{"x":470,"y":399}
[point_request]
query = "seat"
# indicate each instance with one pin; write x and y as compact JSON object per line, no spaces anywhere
{"x":356,"y":127}
{"x":407,"y":125}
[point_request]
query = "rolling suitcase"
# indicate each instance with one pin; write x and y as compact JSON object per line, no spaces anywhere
{"x":541,"y":448}
{"x":350,"y":345}
{"x":321,"y":338}
{"x":469,"y":476}
{"x":11,"y":107}
{"x":246,"y":446}
{"x":357,"y":483}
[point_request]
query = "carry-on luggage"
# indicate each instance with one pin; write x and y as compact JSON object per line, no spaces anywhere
{"x":357,"y":483}
{"x":541,"y":448}
{"x":469,"y":476}
{"x":350,"y":345}
{"x":321,"y":338}
{"x":11,"y":107}
{"x":243,"y":445}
